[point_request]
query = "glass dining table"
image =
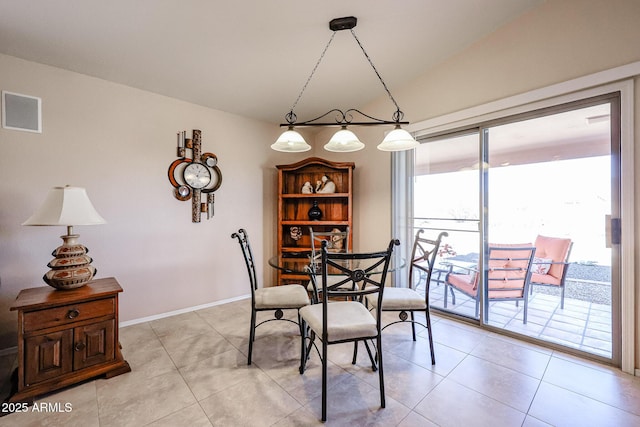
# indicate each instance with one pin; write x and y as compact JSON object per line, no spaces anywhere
{"x":297,"y":264}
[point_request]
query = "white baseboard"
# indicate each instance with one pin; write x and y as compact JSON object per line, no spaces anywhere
{"x":181,"y":311}
{"x":13,"y":350}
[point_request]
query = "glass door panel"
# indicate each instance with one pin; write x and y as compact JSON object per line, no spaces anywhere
{"x":446,"y":198}
{"x":549,"y":185}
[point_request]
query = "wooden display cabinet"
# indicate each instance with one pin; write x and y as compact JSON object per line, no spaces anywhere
{"x":65,"y":337}
{"x":293,"y":206}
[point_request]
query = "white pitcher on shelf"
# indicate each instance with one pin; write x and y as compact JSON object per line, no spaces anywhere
{"x":326,"y":185}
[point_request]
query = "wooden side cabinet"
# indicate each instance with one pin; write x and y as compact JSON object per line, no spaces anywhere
{"x":65,"y":337}
{"x":294,"y":205}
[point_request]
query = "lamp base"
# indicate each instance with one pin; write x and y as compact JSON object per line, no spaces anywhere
{"x":70,"y":269}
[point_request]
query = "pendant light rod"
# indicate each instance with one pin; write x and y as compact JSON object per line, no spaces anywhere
{"x":343,"y":118}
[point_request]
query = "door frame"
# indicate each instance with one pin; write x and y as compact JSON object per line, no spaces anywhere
{"x":574,"y":90}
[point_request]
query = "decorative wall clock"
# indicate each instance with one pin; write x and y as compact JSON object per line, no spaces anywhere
{"x":195,"y":177}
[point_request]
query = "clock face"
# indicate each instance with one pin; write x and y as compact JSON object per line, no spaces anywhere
{"x":197,"y":175}
{"x":210,"y":159}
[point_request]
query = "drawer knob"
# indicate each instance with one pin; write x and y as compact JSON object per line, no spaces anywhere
{"x":80,"y":346}
{"x":72,"y":314}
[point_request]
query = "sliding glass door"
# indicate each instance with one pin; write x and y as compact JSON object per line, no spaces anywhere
{"x":549,"y":180}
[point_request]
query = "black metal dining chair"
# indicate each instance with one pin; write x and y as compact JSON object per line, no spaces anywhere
{"x":275,"y":298}
{"x":341,"y":316}
{"x":337,"y":241}
{"x":415,"y":296}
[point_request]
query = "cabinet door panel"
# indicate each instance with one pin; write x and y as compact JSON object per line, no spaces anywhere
{"x":93,"y":344}
{"x":48,"y":356}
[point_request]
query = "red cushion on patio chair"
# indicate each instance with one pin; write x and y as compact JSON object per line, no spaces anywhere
{"x":557,"y":250}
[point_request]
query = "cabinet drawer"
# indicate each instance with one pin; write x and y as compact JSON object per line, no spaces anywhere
{"x":71,"y":313}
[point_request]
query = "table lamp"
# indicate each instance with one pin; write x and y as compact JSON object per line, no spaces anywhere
{"x":71,"y":267}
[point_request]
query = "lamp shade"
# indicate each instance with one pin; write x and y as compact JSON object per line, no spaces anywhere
{"x":398,"y":140}
{"x":291,"y":142}
{"x":344,"y":141}
{"x":66,"y":206}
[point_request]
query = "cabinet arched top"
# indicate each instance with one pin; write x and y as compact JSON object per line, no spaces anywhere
{"x":317,"y":161}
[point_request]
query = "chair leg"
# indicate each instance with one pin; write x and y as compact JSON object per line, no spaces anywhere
{"x":312,"y":340}
{"x":303,"y":356}
{"x":446,"y":289}
{"x":380,"y":371}
{"x":252,"y":334}
{"x":371,"y":357}
{"x":355,"y":352}
{"x":433,"y":354}
{"x":413,"y":326}
{"x":526,"y":307}
{"x":324,"y":380}
{"x":562,"y":297}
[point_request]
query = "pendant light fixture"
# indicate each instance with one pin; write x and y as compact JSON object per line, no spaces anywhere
{"x":344,"y":140}
{"x":291,"y":142}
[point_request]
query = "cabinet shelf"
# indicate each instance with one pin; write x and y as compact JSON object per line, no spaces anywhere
{"x":296,"y":250}
{"x":311,"y":223}
{"x":316,"y":196}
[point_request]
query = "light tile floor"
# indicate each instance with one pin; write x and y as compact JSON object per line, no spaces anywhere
{"x":190,"y":370}
{"x":581,"y":325}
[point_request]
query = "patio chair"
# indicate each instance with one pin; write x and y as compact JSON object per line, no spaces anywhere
{"x":339,"y":321}
{"x":276,"y":298}
{"x":337,"y":241}
{"x":508,"y":276}
{"x":551,"y":263}
{"x":409,"y":299}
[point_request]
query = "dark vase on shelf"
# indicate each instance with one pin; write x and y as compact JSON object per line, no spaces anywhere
{"x":314,"y":212}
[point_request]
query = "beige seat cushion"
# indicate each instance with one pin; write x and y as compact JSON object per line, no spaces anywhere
{"x":346,"y":320}
{"x":285,"y":296}
{"x":399,"y":299}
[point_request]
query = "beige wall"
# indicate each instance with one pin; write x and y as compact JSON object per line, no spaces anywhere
{"x":118,"y":142}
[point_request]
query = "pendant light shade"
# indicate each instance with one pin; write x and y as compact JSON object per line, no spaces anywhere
{"x":398,"y":140}
{"x":291,"y":142}
{"x":344,"y":141}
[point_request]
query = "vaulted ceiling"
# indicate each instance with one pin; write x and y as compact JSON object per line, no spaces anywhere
{"x":250,"y":57}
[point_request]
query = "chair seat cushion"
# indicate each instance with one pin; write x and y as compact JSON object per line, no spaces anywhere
{"x":346,"y":320}
{"x":545,"y":279}
{"x":285,"y":296}
{"x":506,"y":293}
{"x":464,"y":282}
{"x":397,"y":299}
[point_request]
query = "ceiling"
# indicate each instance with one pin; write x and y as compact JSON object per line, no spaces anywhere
{"x":572,"y":134}
{"x":250,"y":57}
